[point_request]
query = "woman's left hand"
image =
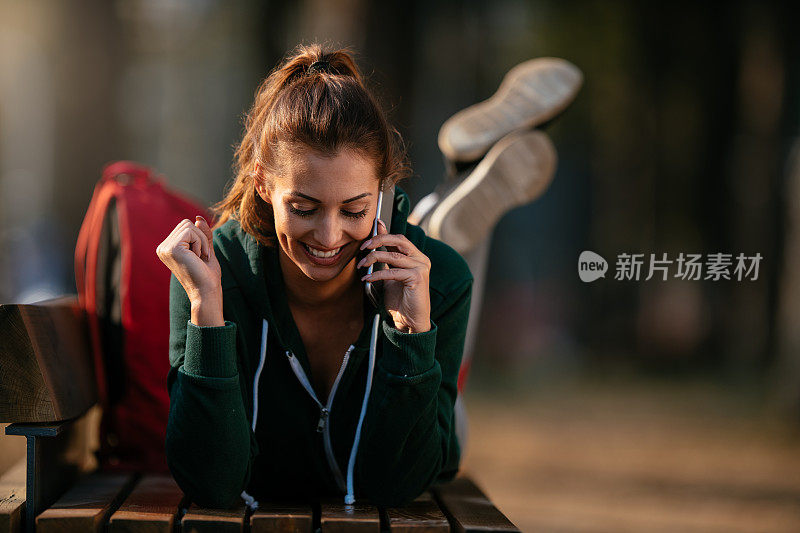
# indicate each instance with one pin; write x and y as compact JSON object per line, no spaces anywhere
{"x":406,"y":283}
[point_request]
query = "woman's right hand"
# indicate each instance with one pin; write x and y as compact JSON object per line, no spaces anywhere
{"x":189,"y":253}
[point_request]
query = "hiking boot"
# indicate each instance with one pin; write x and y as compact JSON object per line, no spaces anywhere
{"x":514,"y":172}
{"x":530,"y":94}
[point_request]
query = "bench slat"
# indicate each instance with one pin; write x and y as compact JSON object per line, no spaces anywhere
{"x":87,"y":505}
{"x":12,"y":505}
{"x":47,"y":373}
{"x":283,"y":518}
{"x":421,"y":515}
{"x":336,"y":517}
{"x":468,"y":509}
{"x":200,"y":519}
{"x":12,"y":497}
{"x":152,"y":506}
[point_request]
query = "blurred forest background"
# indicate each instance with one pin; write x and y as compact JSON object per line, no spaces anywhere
{"x":683,"y":139}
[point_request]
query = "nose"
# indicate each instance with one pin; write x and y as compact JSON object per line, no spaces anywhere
{"x":328,"y":233}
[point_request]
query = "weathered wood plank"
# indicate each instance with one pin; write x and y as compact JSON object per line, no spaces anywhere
{"x":203,"y":519}
{"x":468,"y":509}
{"x":421,"y":515}
{"x":46,"y":367}
{"x":12,"y":497}
{"x":152,"y":506}
{"x":282,"y":517}
{"x":87,"y":505}
{"x":12,"y":507}
{"x":338,"y":517}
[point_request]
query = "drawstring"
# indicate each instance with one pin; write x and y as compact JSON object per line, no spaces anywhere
{"x":264,"y":329}
{"x":249,"y":500}
{"x":349,"y":498}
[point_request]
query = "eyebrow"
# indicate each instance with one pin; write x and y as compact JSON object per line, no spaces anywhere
{"x":311,"y":198}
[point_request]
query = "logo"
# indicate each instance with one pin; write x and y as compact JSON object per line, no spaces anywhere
{"x":686,"y":266}
{"x":591,"y":266}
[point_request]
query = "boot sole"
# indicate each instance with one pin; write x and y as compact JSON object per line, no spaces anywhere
{"x":531,"y":93}
{"x":517,"y":170}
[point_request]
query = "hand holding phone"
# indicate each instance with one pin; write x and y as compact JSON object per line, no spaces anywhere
{"x":402,"y":285}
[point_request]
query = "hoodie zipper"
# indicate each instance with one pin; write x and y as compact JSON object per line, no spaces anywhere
{"x":323,"y":426}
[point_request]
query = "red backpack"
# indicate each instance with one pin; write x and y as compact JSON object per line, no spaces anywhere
{"x":124,"y":289}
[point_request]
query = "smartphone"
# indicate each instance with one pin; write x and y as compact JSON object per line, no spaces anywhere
{"x":384,"y":212}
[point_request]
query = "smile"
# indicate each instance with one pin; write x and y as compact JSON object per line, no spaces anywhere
{"x":320,"y":257}
{"x":319,"y":253}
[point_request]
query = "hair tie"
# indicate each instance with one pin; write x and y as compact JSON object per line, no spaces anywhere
{"x":319,"y":66}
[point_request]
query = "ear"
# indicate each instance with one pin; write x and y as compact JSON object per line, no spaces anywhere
{"x":260,"y":184}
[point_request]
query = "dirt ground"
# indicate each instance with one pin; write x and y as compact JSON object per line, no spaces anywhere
{"x":633,"y":457}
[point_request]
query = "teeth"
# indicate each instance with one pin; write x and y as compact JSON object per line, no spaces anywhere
{"x":317,"y":253}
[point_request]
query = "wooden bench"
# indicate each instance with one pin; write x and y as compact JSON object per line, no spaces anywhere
{"x":47,"y":388}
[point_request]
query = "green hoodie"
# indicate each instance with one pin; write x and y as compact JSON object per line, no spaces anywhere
{"x":300,"y":448}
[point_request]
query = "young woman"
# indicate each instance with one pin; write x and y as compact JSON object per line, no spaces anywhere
{"x":286,"y":381}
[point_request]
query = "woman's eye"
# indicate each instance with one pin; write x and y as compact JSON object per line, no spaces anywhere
{"x":352,"y":214}
{"x":309,"y":212}
{"x":300,"y":212}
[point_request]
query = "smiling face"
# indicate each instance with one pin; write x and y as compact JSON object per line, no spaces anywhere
{"x":324,"y":208}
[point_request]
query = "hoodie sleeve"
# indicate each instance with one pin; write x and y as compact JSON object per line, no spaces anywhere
{"x":209,"y":441}
{"x":408,"y":437}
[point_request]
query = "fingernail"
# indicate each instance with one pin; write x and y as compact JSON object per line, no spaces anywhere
{"x":366,"y":277}
{"x":366,"y":244}
{"x":381,"y":223}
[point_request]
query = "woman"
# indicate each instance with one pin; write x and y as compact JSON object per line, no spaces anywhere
{"x":285,"y":380}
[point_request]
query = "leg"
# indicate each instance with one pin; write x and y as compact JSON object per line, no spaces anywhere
{"x":477,"y":260}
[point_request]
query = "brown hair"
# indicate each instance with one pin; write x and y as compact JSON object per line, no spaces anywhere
{"x":314,"y":99}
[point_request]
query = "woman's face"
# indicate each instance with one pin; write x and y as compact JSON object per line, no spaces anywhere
{"x":324,"y":208}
